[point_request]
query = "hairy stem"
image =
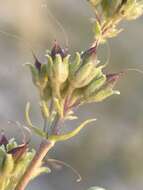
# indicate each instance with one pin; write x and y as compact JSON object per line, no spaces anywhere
{"x":44,"y":148}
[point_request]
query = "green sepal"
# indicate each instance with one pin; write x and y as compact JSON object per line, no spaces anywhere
{"x":81,"y":76}
{"x":60,"y":68}
{"x":102,"y":95}
{"x":50,"y":66}
{"x":11,"y":144}
{"x":74,"y":65}
{"x":8,"y":165}
{"x":94,"y":85}
{"x":43,"y":71}
{"x":23,"y":163}
{"x":34,"y":72}
{"x":43,"y":76}
{"x":95,"y":73}
{"x":2,"y":157}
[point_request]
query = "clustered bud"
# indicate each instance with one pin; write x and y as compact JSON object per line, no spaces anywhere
{"x":14,"y":160}
{"x":69,"y":82}
{"x":79,"y":80}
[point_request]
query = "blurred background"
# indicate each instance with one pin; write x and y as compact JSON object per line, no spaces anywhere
{"x":110,"y":152}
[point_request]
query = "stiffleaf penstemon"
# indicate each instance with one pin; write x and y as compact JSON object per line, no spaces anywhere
{"x":64,"y":83}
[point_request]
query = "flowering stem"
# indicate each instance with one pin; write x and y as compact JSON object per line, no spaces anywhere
{"x":44,"y":148}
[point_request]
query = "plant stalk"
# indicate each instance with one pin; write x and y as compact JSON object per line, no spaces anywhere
{"x":44,"y":148}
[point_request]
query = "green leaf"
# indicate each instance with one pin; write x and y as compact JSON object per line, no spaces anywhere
{"x":70,"y":134}
{"x":37,"y":130}
{"x":40,"y":171}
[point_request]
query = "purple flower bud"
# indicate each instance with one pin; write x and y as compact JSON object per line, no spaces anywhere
{"x":58,"y":50}
{"x":90,"y":55}
{"x":89,"y":52}
{"x":111,"y":79}
{"x":3,"y":140}
{"x":37,"y":63}
{"x":19,"y":151}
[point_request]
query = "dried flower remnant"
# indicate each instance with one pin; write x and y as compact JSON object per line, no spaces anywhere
{"x":58,"y":50}
{"x":14,"y":160}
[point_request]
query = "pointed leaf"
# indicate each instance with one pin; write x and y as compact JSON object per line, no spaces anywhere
{"x":70,"y":134}
{"x":38,"y":131}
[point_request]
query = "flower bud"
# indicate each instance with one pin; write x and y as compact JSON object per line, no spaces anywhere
{"x":90,"y":56}
{"x":86,"y":71}
{"x":8,"y":165}
{"x":83,"y":76}
{"x":39,"y":73}
{"x":58,"y":72}
{"x":3,"y":140}
{"x":102,"y":95}
{"x":18,"y":151}
{"x":107,"y":89}
{"x":94,"y":85}
{"x":61,"y":68}
{"x":74,"y":66}
{"x":111,"y":79}
{"x":58,"y":50}
{"x":37,"y":63}
{"x":14,"y":160}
